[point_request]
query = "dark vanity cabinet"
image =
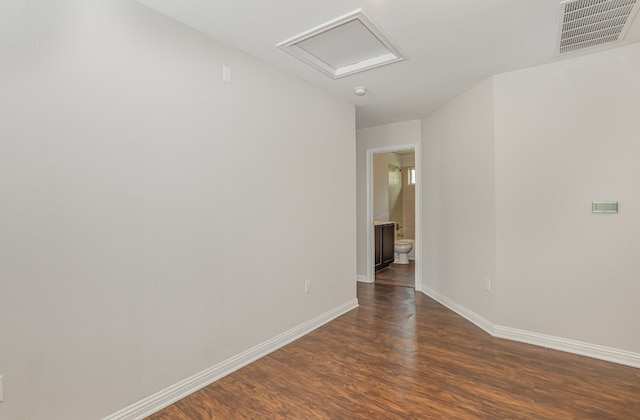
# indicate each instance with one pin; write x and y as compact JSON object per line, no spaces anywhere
{"x":384,"y":244}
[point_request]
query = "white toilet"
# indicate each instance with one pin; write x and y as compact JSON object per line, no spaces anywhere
{"x":402,"y":249}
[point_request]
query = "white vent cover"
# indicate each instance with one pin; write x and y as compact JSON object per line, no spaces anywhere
{"x":347,"y":45}
{"x":592,"y":23}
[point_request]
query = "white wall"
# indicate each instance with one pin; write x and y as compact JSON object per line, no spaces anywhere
{"x":567,"y":134}
{"x":510,"y":170}
{"x":458,"y":204}
{"x":408,"y":160}
{"x":141,"y":205}
{"x":397,"y":134}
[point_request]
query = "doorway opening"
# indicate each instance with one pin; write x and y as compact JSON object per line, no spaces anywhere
{"x":393,"y":195}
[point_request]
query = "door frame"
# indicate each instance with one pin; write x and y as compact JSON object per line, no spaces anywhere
{"x":415,"y":147}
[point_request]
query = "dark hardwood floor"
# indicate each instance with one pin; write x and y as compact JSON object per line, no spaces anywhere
{"x":401,"y":355}
{"x":397,"y":275}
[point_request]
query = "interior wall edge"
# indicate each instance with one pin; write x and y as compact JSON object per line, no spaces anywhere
{"x":471,"y":316}
{"x":362,"y":278}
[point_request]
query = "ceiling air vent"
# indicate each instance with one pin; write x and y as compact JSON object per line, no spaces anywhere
{"x":592,"y":23}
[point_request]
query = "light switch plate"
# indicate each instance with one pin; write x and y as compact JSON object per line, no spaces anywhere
{"x":226,"y":74}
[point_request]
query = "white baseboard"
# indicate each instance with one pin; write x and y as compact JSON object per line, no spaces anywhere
{"x":362,"y":278}
{"x":467,"y":314}
{"x":595,"y":351}
{"x":168,"y":396}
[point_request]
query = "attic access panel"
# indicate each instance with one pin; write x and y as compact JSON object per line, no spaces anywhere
{"x":347,"y":45}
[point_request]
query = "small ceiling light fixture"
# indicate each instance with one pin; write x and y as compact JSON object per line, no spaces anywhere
{"x":349,"y":44}
{"x":360,"y":91}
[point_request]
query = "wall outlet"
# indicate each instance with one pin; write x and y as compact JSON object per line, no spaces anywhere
{"x":487,"y":285}
{"x":307,"y":286}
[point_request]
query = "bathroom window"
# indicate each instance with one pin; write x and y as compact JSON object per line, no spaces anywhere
{"x":411,"y":175}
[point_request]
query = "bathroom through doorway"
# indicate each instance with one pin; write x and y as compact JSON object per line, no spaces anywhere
{"x":393,"y":197}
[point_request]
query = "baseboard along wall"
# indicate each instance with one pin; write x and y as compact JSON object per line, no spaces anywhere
{"x":363,"y":278}
{"x":595,"y":351}
{"x":170,"y":395}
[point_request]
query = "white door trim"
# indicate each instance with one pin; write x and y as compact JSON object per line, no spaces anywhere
{"x":418,"y":210}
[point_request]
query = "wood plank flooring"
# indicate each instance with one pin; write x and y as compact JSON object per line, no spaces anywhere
{"x":401,"y":355}
{"x":397,"y":275}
